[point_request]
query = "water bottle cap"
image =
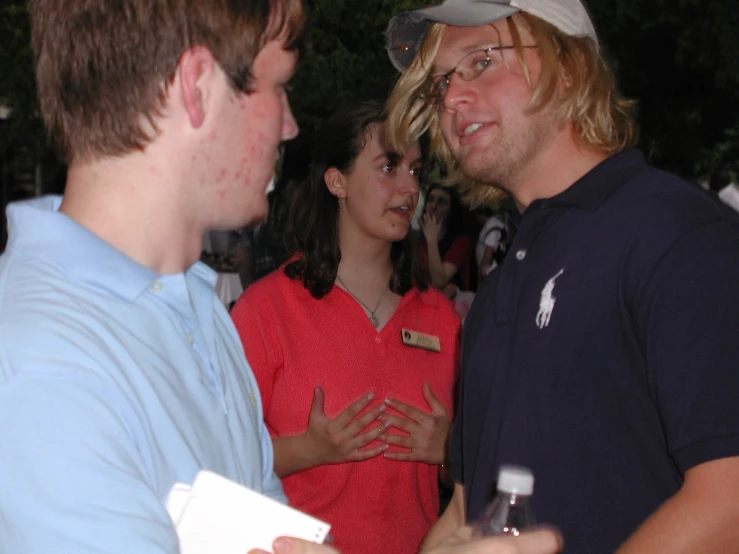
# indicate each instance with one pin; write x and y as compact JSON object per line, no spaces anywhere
{"x":516,"y":480}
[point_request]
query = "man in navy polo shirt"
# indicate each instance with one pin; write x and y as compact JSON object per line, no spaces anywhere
{"x":604,"y":352}
{"x":121,"y":373}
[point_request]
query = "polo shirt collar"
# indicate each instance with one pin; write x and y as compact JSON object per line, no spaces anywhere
{"x":428,"y":299}
{"x":37,"y":228}
{"x":431,"y":300}
{"x":591,"y":190}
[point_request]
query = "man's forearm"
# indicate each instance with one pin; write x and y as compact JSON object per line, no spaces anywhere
{"x":449,"y":523}
{"x":702,"y":517}
{"x":292,"y":455}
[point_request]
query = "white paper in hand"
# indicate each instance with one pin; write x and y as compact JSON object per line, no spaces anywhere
{"x":218,"y":516}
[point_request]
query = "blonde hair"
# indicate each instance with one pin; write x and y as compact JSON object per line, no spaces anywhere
{"x":601,"y":118}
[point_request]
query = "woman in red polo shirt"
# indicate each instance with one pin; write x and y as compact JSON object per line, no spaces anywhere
{"x":355,"y":355}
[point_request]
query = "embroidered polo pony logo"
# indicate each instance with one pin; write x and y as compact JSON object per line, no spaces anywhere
{"x":546,"y":303}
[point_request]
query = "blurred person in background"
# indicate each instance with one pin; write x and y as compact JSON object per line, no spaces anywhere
{"x":722,"y":185}
{"x":492,"y":241}
{"x":261,"y":249}
{"x":444,"y":249}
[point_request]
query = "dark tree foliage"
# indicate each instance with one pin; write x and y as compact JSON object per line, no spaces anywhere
{"x":346,"y":56}
{"x":678,"y":58}
{"x":17,"y":88}
{"x":22,"y":139}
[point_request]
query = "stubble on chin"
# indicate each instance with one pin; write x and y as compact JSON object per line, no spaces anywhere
{"x":484,"y":164}
{"x":487,"y":168}
{"x":503,"y":162}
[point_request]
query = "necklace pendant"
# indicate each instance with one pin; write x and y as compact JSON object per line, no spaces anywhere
{"x":374,"y":321}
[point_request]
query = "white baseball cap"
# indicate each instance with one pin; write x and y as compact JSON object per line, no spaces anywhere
{"x":406,"y":31}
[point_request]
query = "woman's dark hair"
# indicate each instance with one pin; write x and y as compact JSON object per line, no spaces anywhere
{"x":266,"y":245}
{"x":455,"y":219}
{"x":313,"y":229}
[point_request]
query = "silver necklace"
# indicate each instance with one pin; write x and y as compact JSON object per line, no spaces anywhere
{"x":372,"y":317}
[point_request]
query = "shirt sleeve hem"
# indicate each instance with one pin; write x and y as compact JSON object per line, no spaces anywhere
{"x":706,"y":451}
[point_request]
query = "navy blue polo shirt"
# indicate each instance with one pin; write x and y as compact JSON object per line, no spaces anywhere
{"x":604,"y":352}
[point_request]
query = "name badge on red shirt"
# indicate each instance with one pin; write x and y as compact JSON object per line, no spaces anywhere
{"x":420,"y":340}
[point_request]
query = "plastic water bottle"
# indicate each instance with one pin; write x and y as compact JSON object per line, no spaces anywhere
{"x":510,"y":512}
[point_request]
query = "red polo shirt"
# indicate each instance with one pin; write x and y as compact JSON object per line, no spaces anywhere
{"x":293,"y":343}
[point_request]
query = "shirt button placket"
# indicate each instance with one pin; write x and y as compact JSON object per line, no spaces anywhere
{"x":381,"y":346}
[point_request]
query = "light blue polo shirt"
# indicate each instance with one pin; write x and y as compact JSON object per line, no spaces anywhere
{"x":115,"y":383}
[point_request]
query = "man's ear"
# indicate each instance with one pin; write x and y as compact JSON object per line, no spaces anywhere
{"x":335,"y":182}
{"x":197,"y":70}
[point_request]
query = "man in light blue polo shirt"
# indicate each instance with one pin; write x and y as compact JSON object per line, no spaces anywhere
{"x":120,"y":371}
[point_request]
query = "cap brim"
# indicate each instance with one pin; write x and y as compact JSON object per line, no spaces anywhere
{"x":406,"y":31}
{"x":473,"y":14}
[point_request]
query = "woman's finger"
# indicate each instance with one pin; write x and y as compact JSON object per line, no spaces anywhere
{"x":362,"y":455}
{"x":351,"y":411}
{"x":406,"y":409}
{"x":396,"y":440}
{"x":358,"y":425}
{"x":399,"y":423}
{"x":434,"y":403}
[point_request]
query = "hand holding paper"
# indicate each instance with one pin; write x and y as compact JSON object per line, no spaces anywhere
{"x":287,"y":545}
{"x":218,"y":516}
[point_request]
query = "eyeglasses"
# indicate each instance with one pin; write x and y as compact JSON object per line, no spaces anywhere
{"x":469,"y":68}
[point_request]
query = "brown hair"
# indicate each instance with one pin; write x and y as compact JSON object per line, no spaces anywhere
{"x":313,"y":231}
{"x":102,"y":67}
{"x":600,"y":116}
